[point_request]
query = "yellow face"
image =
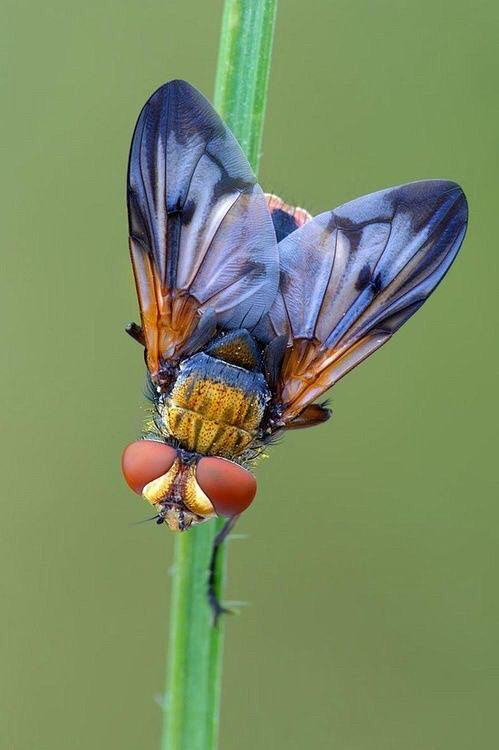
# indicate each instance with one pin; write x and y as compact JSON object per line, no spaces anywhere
{"x":179,"y":483}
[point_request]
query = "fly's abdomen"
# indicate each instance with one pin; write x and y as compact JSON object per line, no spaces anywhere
{"x":215,"y":408}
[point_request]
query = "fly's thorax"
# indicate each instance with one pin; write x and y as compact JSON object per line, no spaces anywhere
{"x":214,"y":407}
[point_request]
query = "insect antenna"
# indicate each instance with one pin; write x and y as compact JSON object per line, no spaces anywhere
{"x":158,"y":518}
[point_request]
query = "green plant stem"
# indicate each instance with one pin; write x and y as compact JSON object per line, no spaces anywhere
{"x":195,"y":646}
{"x":243,"y":70}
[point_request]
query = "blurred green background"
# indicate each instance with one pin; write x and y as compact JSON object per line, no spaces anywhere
{"x":370,"y":562}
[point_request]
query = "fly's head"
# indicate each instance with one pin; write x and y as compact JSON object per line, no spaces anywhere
{"x":184,"y":488}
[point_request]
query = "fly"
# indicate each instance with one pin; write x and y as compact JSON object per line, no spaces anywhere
{"x":251,"y":309}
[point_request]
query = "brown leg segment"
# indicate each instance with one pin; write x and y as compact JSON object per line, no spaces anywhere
{"x":135,"y":332}
{"x":216,"y":606}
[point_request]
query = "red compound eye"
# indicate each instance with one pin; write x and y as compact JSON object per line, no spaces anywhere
{"x":229,"y":487}
{"x":144,"y":461}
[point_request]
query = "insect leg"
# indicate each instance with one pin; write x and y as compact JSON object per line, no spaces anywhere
{"x":213,"y":599}
{"x":135,"y":332}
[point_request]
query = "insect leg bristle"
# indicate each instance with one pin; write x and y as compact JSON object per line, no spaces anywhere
{"x":150,"y":391}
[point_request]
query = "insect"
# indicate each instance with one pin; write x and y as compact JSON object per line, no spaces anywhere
{"x":250,"y":309}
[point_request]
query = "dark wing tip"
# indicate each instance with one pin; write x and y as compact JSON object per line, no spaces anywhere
{"x":175,"y":86}
{"x":433,"y":192}
{"x":438,"y":212}
{"x":382,"y":204}
{"x":461,"y":205}
{"x":176,"y":110}
{"x":450,"y":196}
{"x":186,"y":101}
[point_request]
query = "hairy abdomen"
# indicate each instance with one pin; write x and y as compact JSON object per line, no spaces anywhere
{"x":215,"y":408}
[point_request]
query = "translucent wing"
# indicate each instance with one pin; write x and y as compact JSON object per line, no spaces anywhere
{"x":351,"y":277}
{"x":202,"y":242}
